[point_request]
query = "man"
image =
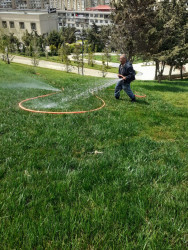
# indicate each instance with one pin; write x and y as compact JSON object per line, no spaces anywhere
{"x":127,"y":75}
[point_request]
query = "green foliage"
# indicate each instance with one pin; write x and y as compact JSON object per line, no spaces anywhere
{"x":90,"y":56}
{"x":153,"y":30}
{"x":64,"y":53}
{"x":53,"y":50}
{"x":97,"y":38}
{"x":8,"y":44}
{"x":77,"y":56}
{"x":59,"y":192}
{"x":104,"y":66}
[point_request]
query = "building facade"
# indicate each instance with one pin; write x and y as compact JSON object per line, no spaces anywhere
{"x":79,"y":5}
{"x":83,"y":19}
{"x":18,"y":22}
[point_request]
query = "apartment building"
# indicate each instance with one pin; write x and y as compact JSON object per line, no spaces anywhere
{"x":18,"y":22}
{"x":24,"y":4}
{"x":79,"y":5}
{"x":76,"y":5}
{"x":83,"y":19}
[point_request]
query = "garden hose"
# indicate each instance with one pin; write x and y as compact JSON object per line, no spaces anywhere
{"x":58,"y":112}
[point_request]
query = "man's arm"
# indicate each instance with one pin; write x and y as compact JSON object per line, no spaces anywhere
{"x":130,"y":73}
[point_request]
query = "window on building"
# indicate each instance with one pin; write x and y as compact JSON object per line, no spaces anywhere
{"x":101,"y":21}
{"x":101,"y":15}
{"x":33,"y":26}
{"x":4,"y":24}
{"x":11,"y":25}
{"x":96,"y":21}
{"x":106,"y":21}
{"x":96,"y":15}
{"x":91,"y":15}
{"x":22,"y":26}
{"x":77,"y":25}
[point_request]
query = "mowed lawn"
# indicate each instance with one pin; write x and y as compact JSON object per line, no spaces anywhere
{"x":111,"y":179}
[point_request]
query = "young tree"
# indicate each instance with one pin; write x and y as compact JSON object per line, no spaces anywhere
{"x":107,"y":55}
{"x":91,"y":61}
{"x":104,"y":67}
{"x":64,"y":53}
{"x":77,"y":56}
{"x":35,"y":52}
{"x":8,"y":45}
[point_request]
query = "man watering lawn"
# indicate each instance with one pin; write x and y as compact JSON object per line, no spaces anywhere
{"x":127,"y":75}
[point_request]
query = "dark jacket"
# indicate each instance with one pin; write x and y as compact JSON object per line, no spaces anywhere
{"x":127,"y":71}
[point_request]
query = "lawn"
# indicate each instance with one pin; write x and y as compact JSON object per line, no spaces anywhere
{"x":114,"y":59}
{"x":86,"y":65}
{"x":111,"y":179}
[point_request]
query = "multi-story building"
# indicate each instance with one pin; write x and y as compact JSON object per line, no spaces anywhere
{"x":79,"y":5}
{"x":76,"y":5}
{"x":83,"y":19}
{"x":18,"y":22}
{"x":24,"y":4}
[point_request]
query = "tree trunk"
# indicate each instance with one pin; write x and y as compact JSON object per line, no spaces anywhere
{"x":161,"y":70}
{"x":156,"y":68}
{"x":181,"y":72}
{"x":170,"y":73}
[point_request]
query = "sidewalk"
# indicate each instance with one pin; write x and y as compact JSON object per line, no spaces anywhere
{"x":143,"y":72}
{"x":62,"y":67}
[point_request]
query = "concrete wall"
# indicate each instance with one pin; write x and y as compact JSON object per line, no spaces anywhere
{"x":44,"y":22}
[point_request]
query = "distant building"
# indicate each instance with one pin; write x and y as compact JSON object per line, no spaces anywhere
{"x":83,"y":19}
{"x":79,"y":5}
{"x":18,"y":22}
{"x":76,"y":5}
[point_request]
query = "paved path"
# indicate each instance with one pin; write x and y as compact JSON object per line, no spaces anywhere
{"x":144,"y":72}
{"x":61,"y":67}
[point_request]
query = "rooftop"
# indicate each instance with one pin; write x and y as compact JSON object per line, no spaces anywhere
{"x":100,"y":8}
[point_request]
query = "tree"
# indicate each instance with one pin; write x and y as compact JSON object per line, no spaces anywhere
{"x":64,"y":53}
{"x":8,"y":44}
{"x":54,"y":38}
{"x":134,"y":20}
{"x":104,"y":67}
{"x":151,"y":30}
{"x":35,"y":52}
{"x":96,"y":37}
{"x":67,"y":35}
{"x":77,"y":56}
{"x":107,"y":54}
{"x":28,"y":38}
{"x":90,"y":56}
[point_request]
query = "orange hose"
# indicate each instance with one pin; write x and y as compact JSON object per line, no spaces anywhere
{"x":59,"y":112}
{"x":140,"y":96}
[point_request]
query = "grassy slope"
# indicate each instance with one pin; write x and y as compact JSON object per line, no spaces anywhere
{"x":96,"y":66}
{"x":57,"y":194}
{"x":114,"y":59}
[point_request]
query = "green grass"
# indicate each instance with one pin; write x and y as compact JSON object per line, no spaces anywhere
{"x":114,"y":59}
{"x":96,"y":66}
{"x":56,"y":193}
